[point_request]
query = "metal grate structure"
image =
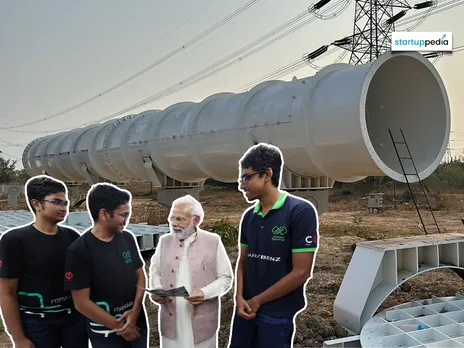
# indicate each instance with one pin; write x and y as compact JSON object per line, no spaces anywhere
{"x":147,"y":235}
{"x":434,"y":322}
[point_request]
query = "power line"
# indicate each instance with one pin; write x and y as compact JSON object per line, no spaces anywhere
{"x":216,"y":67}
{"x":421,"y":16}
{"x":8,"y":155}
{"x":438,"y":55}
{"x":292,"y":67}
{"x":287,"y":69}
{"x":143,"y":71}
{"x":444,"y":6}
{"x":296,"y":65}
{"x":11,"y":144}
{"x":363,"y":45}
{"x":220,"y":65}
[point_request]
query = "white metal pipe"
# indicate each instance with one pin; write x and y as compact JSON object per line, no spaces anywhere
{"x":333,"y":124}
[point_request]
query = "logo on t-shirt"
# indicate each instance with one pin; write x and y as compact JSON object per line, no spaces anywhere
{"x":279,"y":233}
{"x":68,"y":275}
{"x":127,"y":256}
{"x":311,"y":239}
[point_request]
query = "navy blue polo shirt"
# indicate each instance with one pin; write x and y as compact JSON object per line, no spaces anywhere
{"x":291,"y":226}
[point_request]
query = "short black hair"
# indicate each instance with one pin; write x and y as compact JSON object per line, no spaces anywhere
{"x":41,"y":186}
{"x":105,"y":196}
{"x":262,"y":156}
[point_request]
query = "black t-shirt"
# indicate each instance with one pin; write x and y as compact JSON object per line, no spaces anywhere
{"x":290,"y":226}
{"x":37,"y":260}
{"x":107,"y":268}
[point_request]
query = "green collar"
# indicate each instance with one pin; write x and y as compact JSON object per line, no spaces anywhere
{"x":277,"y":205}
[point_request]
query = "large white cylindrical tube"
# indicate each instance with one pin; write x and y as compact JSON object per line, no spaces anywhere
{"x":335,"y":123}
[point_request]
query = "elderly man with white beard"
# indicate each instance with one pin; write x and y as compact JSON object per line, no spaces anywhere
{"x":197,"y":260}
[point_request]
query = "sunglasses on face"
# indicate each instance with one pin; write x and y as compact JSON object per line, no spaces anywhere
{"x":245,"y":178}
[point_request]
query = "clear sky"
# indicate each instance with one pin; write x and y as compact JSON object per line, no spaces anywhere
{"x":55,"y":54}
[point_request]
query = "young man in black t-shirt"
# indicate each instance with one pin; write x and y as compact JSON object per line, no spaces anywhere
{"x":103,"y":269}
{"x":278,"y":242}
{"x":36,"y":309}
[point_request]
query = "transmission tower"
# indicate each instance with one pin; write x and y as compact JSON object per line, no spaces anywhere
{"x":373,"y":25}
{"x":374,"y":22}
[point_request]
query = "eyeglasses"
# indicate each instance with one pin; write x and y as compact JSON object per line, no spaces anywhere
{"x":245,"y":178}
{"x":57,"y":202}
{"x":178,"y":219}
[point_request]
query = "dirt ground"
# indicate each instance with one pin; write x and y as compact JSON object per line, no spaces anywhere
{"x":347,"y":223}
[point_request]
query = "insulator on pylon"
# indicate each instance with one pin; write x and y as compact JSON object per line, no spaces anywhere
{"x":321,"y":3}
{"x":318,"y":52}
{"x":432,"y":55}
{"x":396,"y":17}
{"x":422,"y":5}
{"x":342,"y":42}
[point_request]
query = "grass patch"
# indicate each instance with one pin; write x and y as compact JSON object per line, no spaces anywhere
{"x":228,"y":232}
{"x":364,"y":232}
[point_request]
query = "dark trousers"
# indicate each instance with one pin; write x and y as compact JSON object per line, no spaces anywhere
{"x":55,"y":331}
{"x":113,"y":340}
{"x":261,"y":332}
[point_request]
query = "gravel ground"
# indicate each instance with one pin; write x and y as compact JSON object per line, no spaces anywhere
{"x":340,"y":229}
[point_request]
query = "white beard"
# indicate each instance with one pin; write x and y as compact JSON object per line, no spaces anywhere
{"x":187,"y":231}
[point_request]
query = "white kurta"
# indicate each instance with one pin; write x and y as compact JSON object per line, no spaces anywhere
{"x":184,"y":309}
